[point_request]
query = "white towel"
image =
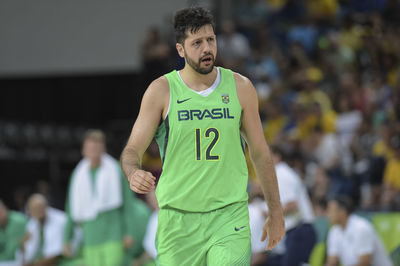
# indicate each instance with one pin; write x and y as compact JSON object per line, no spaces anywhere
{"x":87,"y":202}
{"x":53,"y":231}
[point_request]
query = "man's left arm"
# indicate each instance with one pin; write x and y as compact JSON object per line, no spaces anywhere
{"x":260,"y":155}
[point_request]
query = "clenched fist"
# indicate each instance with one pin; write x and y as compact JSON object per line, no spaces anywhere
{"x":141,"y":181}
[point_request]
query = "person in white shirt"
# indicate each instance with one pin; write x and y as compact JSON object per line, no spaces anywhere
{"x":45,"y":233}
{"x":257,"y":216}
{"x":352,"y":240}
{"x":297,"y":210}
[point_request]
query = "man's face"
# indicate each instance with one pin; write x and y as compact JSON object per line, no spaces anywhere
{"x":335,"y":213}
{"x":37,"y":210}
{"x":93,"y":149}
{"x":200,"y":49}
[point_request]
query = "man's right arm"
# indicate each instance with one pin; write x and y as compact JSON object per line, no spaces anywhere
{"x":154,"y":103}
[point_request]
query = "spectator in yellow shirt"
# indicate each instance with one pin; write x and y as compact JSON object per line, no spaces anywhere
{"x":276,"y":121}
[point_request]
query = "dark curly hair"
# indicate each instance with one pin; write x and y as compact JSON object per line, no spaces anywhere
{"x":192,"y":19}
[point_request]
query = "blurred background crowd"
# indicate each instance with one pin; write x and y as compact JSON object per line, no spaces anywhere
{"x":327,"y":74}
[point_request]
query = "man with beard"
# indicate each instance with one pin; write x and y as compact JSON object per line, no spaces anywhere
{"x":201,"y":117}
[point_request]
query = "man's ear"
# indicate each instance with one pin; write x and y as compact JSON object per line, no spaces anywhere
{"x":180,"y":49}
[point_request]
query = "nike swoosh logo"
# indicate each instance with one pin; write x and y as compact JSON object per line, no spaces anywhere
{"x":237,"y":229}
{"x":178,"y":102}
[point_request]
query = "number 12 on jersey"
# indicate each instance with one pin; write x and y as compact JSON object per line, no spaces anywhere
{"x":210,"y":131}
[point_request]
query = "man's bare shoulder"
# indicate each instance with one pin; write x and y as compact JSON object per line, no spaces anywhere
{"x":242,"y":82}
{"x":156,"y":96}
{"x":159,"y":87}
{"x":245,"y":89}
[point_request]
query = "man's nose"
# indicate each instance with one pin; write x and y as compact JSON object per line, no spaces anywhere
{"x":207,"y":48}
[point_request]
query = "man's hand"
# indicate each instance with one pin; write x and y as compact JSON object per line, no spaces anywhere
{"x":274,"y":228}
{"x":141,"y":181}
{"x":26,"y":237}
{"x":128,"y":242}
{"x":67,"y":250}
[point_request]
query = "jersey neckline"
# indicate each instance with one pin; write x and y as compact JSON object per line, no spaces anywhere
{"x":213,"y":87}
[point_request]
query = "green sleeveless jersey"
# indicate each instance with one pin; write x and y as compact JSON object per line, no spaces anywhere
{"x":204,"y":166}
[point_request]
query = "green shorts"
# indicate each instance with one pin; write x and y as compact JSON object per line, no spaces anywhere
{"x":215,"y":238}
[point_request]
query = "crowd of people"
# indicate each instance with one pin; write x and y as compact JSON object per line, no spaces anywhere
{"x":327,"y":74}
{"x":103,"y":222}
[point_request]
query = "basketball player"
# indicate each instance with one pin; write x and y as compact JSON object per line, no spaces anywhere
{"x":199,"y":117}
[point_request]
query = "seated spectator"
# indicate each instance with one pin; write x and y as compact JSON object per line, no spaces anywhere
{"x":45,"y":229}
{"x":352,"y":240}
{"x":12,"y":231}
{"x":297,"y":210}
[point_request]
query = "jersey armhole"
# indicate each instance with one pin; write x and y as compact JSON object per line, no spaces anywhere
{"x":170,"y":97}
{"x":236,"y":92}
{"x":169,"y":104}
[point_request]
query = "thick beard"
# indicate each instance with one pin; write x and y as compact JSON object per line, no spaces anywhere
{"x":196,"y":66}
